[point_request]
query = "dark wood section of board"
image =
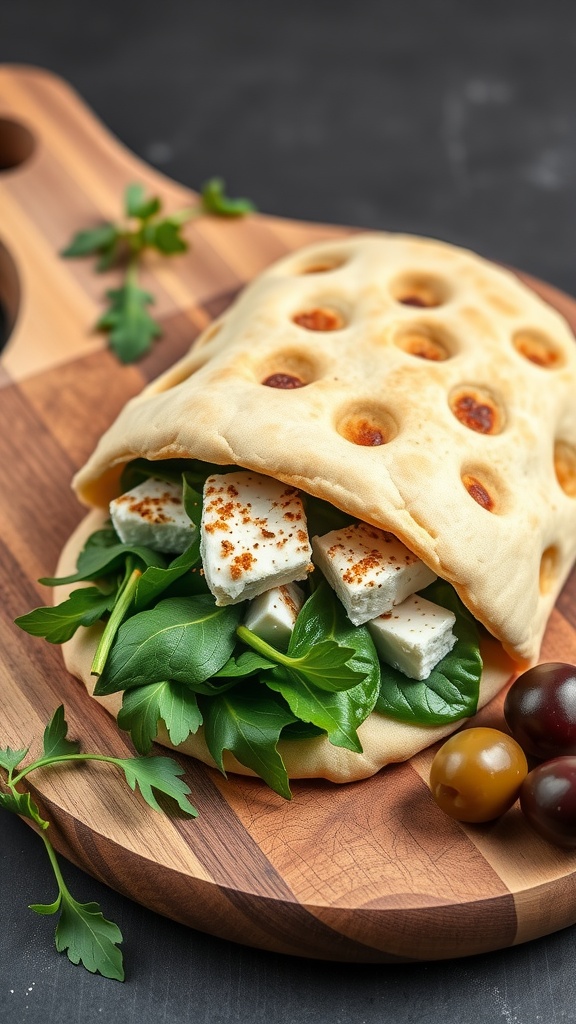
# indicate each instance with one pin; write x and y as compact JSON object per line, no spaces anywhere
{"x":369,"y":872}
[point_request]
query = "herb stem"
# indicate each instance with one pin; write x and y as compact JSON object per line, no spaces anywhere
{"x":119,"y":611}
{"x":43,"y":762}
{"x":261,"y":647}
{"x":55,"y":865}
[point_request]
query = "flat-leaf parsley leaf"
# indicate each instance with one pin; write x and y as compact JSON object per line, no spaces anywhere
{"x":130,"y":327}
{"x":82,"y":931}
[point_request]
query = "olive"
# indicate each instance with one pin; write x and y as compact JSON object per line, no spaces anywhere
{"x":477,"y":773}
{"x":540,"y":710}
{"x":548,"y":799}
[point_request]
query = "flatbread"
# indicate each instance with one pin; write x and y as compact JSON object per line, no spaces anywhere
{"x":476,"y":469}
{"x":437,"y":401}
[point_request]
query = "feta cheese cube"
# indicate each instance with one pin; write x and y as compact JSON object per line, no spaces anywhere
{"x":272,"y":615}
{"x":370,"y":570}
{"x":414,"y":636}
{"x":152,"y":514}
{"x":253,"y":536}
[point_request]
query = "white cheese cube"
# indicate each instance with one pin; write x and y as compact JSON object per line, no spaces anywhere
{"x":370,"y":570}
{"x":253,"y":536}
{"x":152,"y":514}
{"x":414,"y":636}
{"x":272,"y":615}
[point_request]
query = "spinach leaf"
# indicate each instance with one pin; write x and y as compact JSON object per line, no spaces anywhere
{"x":144,"y":706}
{"x":323,"y":620}
{"x":451,"y":690}
{"x":100,"y":557}
{"x":183,"y":638}
{"x":300,"y":731}
{"x":57,"y":624}
{"x":248,"y":723}
{"x":322,"y":517}
{"x":171,"y":470}
{"x":155,"y":581}
{"x":326,"y":665}
{"x":248,"y":663}
{"x":139,"y":470}
{"x":191,"y":583}
{"x":337,"y":713}
{"x":192,"y":505}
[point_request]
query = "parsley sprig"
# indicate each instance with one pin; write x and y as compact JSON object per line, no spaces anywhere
{"x":82,"y":930}
{"x":127,"y":320}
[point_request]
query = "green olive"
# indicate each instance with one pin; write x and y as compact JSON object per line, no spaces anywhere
{"x":476,"y":775}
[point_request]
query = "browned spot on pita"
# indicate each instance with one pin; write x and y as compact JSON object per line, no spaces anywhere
{"x":420,"y":290}
{"x":539,"y":349}
{"x":323,"y":318}
{"x":565,"y":467}
{"x":477,"y":409}
{"x":548,"y":569}
{"x":478,"y":491}
{"x":423,"y":342}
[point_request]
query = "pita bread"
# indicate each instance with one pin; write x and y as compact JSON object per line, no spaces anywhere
{"x":437,"y":402}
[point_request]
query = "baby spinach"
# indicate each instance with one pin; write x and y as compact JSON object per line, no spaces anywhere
{"x":248,"y":663}
{"x":300,"y":731}
{"x":57,"y":624}
{"x":330,"y":675}
{"x":183,"y":638}
{"x":139,"y":470}
{"x":322,"y":517}
{"x":130,"y":578}
{"x":154,"y":581}
{"x":104,"y":555}
{"x":325,"y":665}
{"x":182,"y":660}
{"x":170,"y":470}
{"x":335,"y":713}
{"x":451,"y":690}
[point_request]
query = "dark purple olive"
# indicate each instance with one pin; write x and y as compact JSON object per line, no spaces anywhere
{"x":548,"y":799}
{"x":540,"y":709}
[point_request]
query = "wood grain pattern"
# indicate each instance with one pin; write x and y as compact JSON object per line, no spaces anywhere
{"x":371,"y":871}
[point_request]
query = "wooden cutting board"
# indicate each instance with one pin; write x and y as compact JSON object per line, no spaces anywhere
{"x":371,"y":871}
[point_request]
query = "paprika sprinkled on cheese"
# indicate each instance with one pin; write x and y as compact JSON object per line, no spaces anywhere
{"x":369,"y":569}
{"x":257,"y":513}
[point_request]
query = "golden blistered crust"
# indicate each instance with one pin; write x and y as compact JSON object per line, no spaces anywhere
{"x":410,"y":383}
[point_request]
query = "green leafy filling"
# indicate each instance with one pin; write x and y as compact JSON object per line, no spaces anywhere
{"x":451,"y":690}
{"x":182,"y":661}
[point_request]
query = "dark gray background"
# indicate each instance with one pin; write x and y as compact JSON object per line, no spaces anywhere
{"x":444,"y":118}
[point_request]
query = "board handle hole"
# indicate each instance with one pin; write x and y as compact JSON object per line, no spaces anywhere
{"x":9,"y":295}
{"x":16,"y":144}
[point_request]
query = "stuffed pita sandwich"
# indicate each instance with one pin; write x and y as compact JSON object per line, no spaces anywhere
{"x":371,"y":460}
